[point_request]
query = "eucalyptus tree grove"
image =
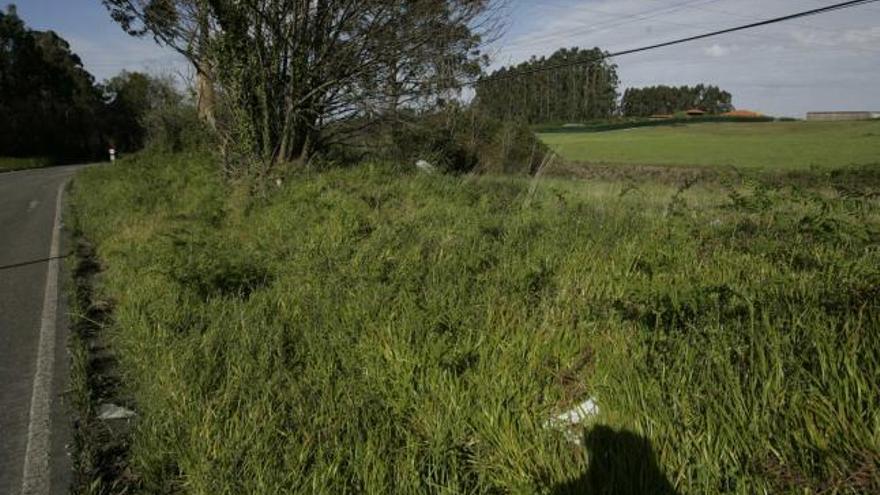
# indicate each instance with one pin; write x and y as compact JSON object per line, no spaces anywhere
{"x":293,"y":76}
{"x":643,"y":102}
{"x":569,"y":86}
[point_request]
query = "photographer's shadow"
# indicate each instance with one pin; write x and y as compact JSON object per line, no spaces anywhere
{"x":621,"y":463}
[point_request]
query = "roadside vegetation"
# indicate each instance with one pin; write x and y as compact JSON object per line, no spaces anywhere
{"x":8,"y":164}
{"x":327,"y":271}
{"x":374,"y":329}
{"x":770,"y":146}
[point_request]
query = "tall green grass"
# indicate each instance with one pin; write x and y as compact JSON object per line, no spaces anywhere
{"x":375,"y":330}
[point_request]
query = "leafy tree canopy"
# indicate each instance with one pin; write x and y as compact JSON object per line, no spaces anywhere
{"x":50,"y":106}
{"x":644,"y":102}
{"x":570,"y":85}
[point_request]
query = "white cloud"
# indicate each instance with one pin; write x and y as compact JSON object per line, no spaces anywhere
{"x":870,"y":36}
{"x":856,"y":38}
{"x":716,"y":50}
{"x":815,"y":38}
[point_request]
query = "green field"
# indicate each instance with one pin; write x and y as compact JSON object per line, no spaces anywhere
{"x":373,"y":330}
{"x":773,"y":145}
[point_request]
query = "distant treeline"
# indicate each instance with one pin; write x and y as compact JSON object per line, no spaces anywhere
{"x":51,"y":107}
{"x":653,"y":100}
{"x":582,"y":89}
{"x":577,"y":85}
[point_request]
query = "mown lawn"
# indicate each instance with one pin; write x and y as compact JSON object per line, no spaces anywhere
{"x":773,"y":145}
{"x":372,"y":330}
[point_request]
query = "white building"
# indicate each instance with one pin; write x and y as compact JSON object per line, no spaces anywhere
{"x":836,"y":116}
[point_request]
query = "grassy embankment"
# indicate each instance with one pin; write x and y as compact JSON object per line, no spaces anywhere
{"x":771,"y":146}
{"x":8,"y":164}
{"x":374,"y":330}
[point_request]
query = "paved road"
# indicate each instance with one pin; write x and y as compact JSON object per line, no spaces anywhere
{"x":34,"y":424}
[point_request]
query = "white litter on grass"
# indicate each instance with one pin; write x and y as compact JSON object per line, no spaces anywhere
{"x":585,"y":410}
{"x":112,"y":411}
{"x":425,"y":166}
{"x":574,"y":417}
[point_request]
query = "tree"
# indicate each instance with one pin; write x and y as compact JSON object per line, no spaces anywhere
{"x":145,"y":110}
{"x":569,"y":86}
{"x":186,"y":26}
{"x":299,"y":71}
{"x":49,"y":105}
{"x":643,"y":102}
{"x":128,"y":96}
{"x":297,"y":75}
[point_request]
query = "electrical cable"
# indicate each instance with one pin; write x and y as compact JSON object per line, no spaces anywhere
{"x":775,"y":20}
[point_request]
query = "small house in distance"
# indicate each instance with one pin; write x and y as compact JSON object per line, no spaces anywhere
{"x":839,"y":116}
{"x":695,"y":112}
{"x":742,"y":113}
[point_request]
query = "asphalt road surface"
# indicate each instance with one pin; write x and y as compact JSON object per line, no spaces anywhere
{"x":34,"y":421}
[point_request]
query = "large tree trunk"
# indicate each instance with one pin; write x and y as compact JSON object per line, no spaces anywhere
{"x":204,"y":73}
{"x":206,"y":96}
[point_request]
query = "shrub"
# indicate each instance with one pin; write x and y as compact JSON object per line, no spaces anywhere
{"x":170,"y":121}
{"x":463,"y":140}
{"x":174,"y":128}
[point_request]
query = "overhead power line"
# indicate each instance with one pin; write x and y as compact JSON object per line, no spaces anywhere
{"x":798,"y":15}
{"x":681,"y":24}
{"x":618,"y":19}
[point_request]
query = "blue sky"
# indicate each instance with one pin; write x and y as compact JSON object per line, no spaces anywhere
{"x":829,"y":62}
{"x":102,"y":45}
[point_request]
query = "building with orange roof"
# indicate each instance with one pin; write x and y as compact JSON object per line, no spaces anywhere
{"x":742,"y":113}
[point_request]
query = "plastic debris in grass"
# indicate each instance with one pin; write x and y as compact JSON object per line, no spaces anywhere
{"x":425,"y":167}
{"x":112,"y":411}
{"x":570,"y":420}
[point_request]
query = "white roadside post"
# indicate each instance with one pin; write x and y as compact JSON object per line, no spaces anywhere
{"x":112,"y":154}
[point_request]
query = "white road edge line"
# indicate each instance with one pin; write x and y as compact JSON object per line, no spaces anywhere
{"x":36,"y":462}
